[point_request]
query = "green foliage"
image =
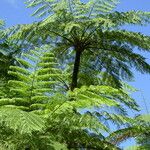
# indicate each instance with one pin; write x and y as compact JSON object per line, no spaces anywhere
{"x":35,"y":76}
{"x":95,"y":30}
{"x":102,"y":95}
{"x":38,"y":108}
{"x":20,"y":121}
{"x":48,"y":95}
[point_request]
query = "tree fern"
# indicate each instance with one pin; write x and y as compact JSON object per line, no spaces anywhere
{"x":91,"y":30}
{"x":85,"y":38}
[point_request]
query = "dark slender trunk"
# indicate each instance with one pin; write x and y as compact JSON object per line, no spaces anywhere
{"x":74,"y":82}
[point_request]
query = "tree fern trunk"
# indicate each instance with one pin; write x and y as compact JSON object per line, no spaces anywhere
{"x":74,"y":82}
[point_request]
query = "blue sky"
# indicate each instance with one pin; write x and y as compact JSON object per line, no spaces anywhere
{"x":14,"y":12}
{"x":141,"y":81}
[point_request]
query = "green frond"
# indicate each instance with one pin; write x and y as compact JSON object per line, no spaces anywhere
{"x":24,"y":63}
{"x":101,"y":6}
{"x":20,"y":70}
{"x":23,"y":122}
{"x":33,"y":82}
{"x":130,"y":17}
{"x":94,"y":97}
{"x":139,"y":129}
{"x":90,"y":97}
{"x":6,"y":101}
{"x":133,"y":38}
{"x":100,"y":96}
{"x":14,"y":83}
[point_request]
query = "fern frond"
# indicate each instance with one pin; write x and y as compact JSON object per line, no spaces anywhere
{"x":34,"y":79}
{"x":130,"y":17}
{"x":22,"y":122}
{"x":135,"y":39}
{"x":101,"y":95}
